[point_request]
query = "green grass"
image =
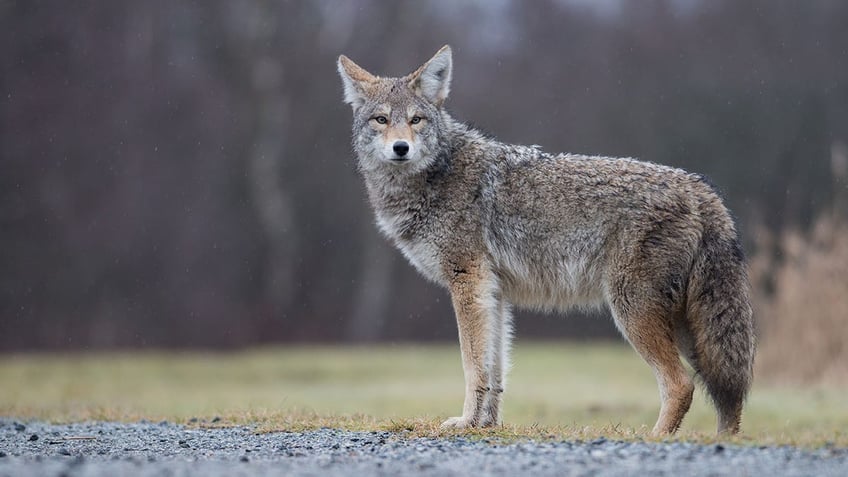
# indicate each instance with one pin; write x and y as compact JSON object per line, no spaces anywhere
{"x":555,"y":390}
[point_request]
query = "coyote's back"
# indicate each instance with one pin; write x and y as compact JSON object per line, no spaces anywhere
{"x":502,"y":225}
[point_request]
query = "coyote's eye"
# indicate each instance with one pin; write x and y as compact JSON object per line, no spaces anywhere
{"x":380,"y":119}
{"x":415,"y":120}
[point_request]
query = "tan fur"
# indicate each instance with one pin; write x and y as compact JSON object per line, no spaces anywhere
{"x":355,"y":72}
{"x":398,"y":133}
{"x":466,"y":287}
{"x":650,"y":335}
{"x":501,"y":225}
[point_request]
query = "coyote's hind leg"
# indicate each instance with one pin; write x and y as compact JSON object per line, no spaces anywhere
{"x":649,"y":332}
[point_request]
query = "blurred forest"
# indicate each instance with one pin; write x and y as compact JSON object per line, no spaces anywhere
{"x":179,"y":173}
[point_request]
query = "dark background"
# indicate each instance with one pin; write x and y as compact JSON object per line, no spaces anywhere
{"x":178,"y":173}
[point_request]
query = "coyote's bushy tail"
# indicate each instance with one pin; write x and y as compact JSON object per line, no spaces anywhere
{"x":721,"y":318}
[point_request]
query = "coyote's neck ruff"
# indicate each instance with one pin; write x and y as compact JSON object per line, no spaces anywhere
{"x":403,"y":200}
{"x":501,"y":225}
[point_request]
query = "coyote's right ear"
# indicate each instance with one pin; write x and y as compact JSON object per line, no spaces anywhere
{"x":355,"y":81}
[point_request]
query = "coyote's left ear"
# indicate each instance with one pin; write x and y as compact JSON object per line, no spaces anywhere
{"x":355,"y":81}
{"x":432,"y":81}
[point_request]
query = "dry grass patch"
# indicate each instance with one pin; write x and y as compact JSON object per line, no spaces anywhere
{"x":559,"y":391}
{"x":804,"y":321}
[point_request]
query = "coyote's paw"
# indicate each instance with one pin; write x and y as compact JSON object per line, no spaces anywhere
{"x":460,"y":422}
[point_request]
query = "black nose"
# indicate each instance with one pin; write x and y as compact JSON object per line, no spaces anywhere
{"x":400,"y":148}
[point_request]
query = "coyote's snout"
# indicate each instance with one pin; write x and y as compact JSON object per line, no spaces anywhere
{"x":501,"y":225}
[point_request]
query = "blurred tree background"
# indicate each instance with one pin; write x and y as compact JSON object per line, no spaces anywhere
{"x":179,"y":173}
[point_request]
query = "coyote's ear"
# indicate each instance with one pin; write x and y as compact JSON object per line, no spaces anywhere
{"x":355,"y":81}
{"x":432,"y":81}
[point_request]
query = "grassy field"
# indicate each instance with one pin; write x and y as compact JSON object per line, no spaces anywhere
{"x":555,"y":390}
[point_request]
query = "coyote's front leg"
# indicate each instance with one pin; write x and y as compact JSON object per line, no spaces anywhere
{"x":475,"y":296}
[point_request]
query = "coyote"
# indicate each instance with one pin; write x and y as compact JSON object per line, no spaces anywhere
{"x":502,"y":225}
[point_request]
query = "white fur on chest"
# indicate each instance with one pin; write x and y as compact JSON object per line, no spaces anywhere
{"x":420,"y":252}
{"x":425,"y":257}
{"x":388,"y":224}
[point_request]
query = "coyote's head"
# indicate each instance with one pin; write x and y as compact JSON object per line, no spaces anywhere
{"x":397,"y":122}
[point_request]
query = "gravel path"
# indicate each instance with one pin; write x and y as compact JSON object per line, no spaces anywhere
{"x":109,"y":449}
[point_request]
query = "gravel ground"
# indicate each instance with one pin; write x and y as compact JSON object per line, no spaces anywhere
{"x":109,"y":449}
